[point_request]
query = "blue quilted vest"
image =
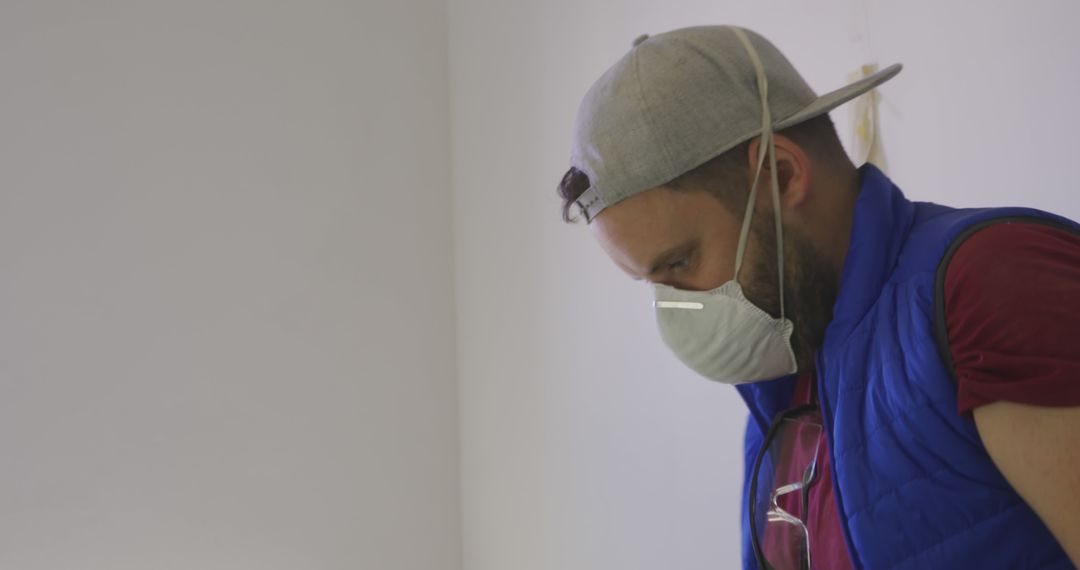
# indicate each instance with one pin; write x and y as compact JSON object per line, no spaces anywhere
{"x":913,"y":483}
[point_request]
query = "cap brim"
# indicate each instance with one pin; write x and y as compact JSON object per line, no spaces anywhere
{"x":834,"y":99}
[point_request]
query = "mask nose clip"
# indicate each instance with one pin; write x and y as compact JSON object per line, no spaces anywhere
{"x":678,"y":305}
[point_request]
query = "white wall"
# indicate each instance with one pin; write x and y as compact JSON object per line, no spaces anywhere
{"x":585,"y":445}
{"x":227,"y":334}
{"x":229,"y":274}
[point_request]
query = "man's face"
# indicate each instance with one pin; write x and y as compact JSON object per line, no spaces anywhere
{"x":689,"y":239}
{"x":683,"y":239}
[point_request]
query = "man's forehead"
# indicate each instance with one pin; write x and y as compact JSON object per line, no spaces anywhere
{"x":649,"y":214}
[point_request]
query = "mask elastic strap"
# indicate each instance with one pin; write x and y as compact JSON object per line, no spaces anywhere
{"x":749,"y":215}
{"x":765,"y":145}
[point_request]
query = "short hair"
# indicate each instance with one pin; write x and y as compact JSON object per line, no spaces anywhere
{"x":726,"y":176}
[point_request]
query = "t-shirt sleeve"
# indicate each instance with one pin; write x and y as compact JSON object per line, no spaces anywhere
{"x":1012,"y":312}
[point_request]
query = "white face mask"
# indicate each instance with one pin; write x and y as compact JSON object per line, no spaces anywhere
{"x":719,"y":333}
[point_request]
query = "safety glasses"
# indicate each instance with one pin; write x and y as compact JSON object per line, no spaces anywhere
{"x":785,"y":469}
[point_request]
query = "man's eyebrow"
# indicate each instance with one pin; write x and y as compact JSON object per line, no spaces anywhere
{"x":667,"y":255}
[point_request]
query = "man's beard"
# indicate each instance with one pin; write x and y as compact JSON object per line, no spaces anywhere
{"x":810,"y":287}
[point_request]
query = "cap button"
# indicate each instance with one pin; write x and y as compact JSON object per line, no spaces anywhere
{"x":638,"y":40}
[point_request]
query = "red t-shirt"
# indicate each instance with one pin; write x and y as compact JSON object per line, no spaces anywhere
{"x":1012,"y":309}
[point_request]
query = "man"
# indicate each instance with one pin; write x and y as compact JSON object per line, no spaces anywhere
{"x":912,"y":371}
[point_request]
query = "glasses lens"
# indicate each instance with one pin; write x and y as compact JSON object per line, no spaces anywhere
{"x":788,"y":467}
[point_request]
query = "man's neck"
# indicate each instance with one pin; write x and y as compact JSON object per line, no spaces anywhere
{"x":846,"y":187}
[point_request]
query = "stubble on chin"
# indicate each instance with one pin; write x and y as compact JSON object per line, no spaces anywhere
{"x":810,"y":290}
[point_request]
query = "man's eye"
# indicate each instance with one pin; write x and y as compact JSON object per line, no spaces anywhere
{"x":680,"y":264}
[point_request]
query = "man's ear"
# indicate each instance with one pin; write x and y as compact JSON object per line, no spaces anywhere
{"x":794,"y":172}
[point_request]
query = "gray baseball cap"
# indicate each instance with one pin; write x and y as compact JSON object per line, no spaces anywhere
{"x":681,"y":98}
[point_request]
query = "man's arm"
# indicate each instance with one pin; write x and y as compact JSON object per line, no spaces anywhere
{"x":1038,"y":450}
